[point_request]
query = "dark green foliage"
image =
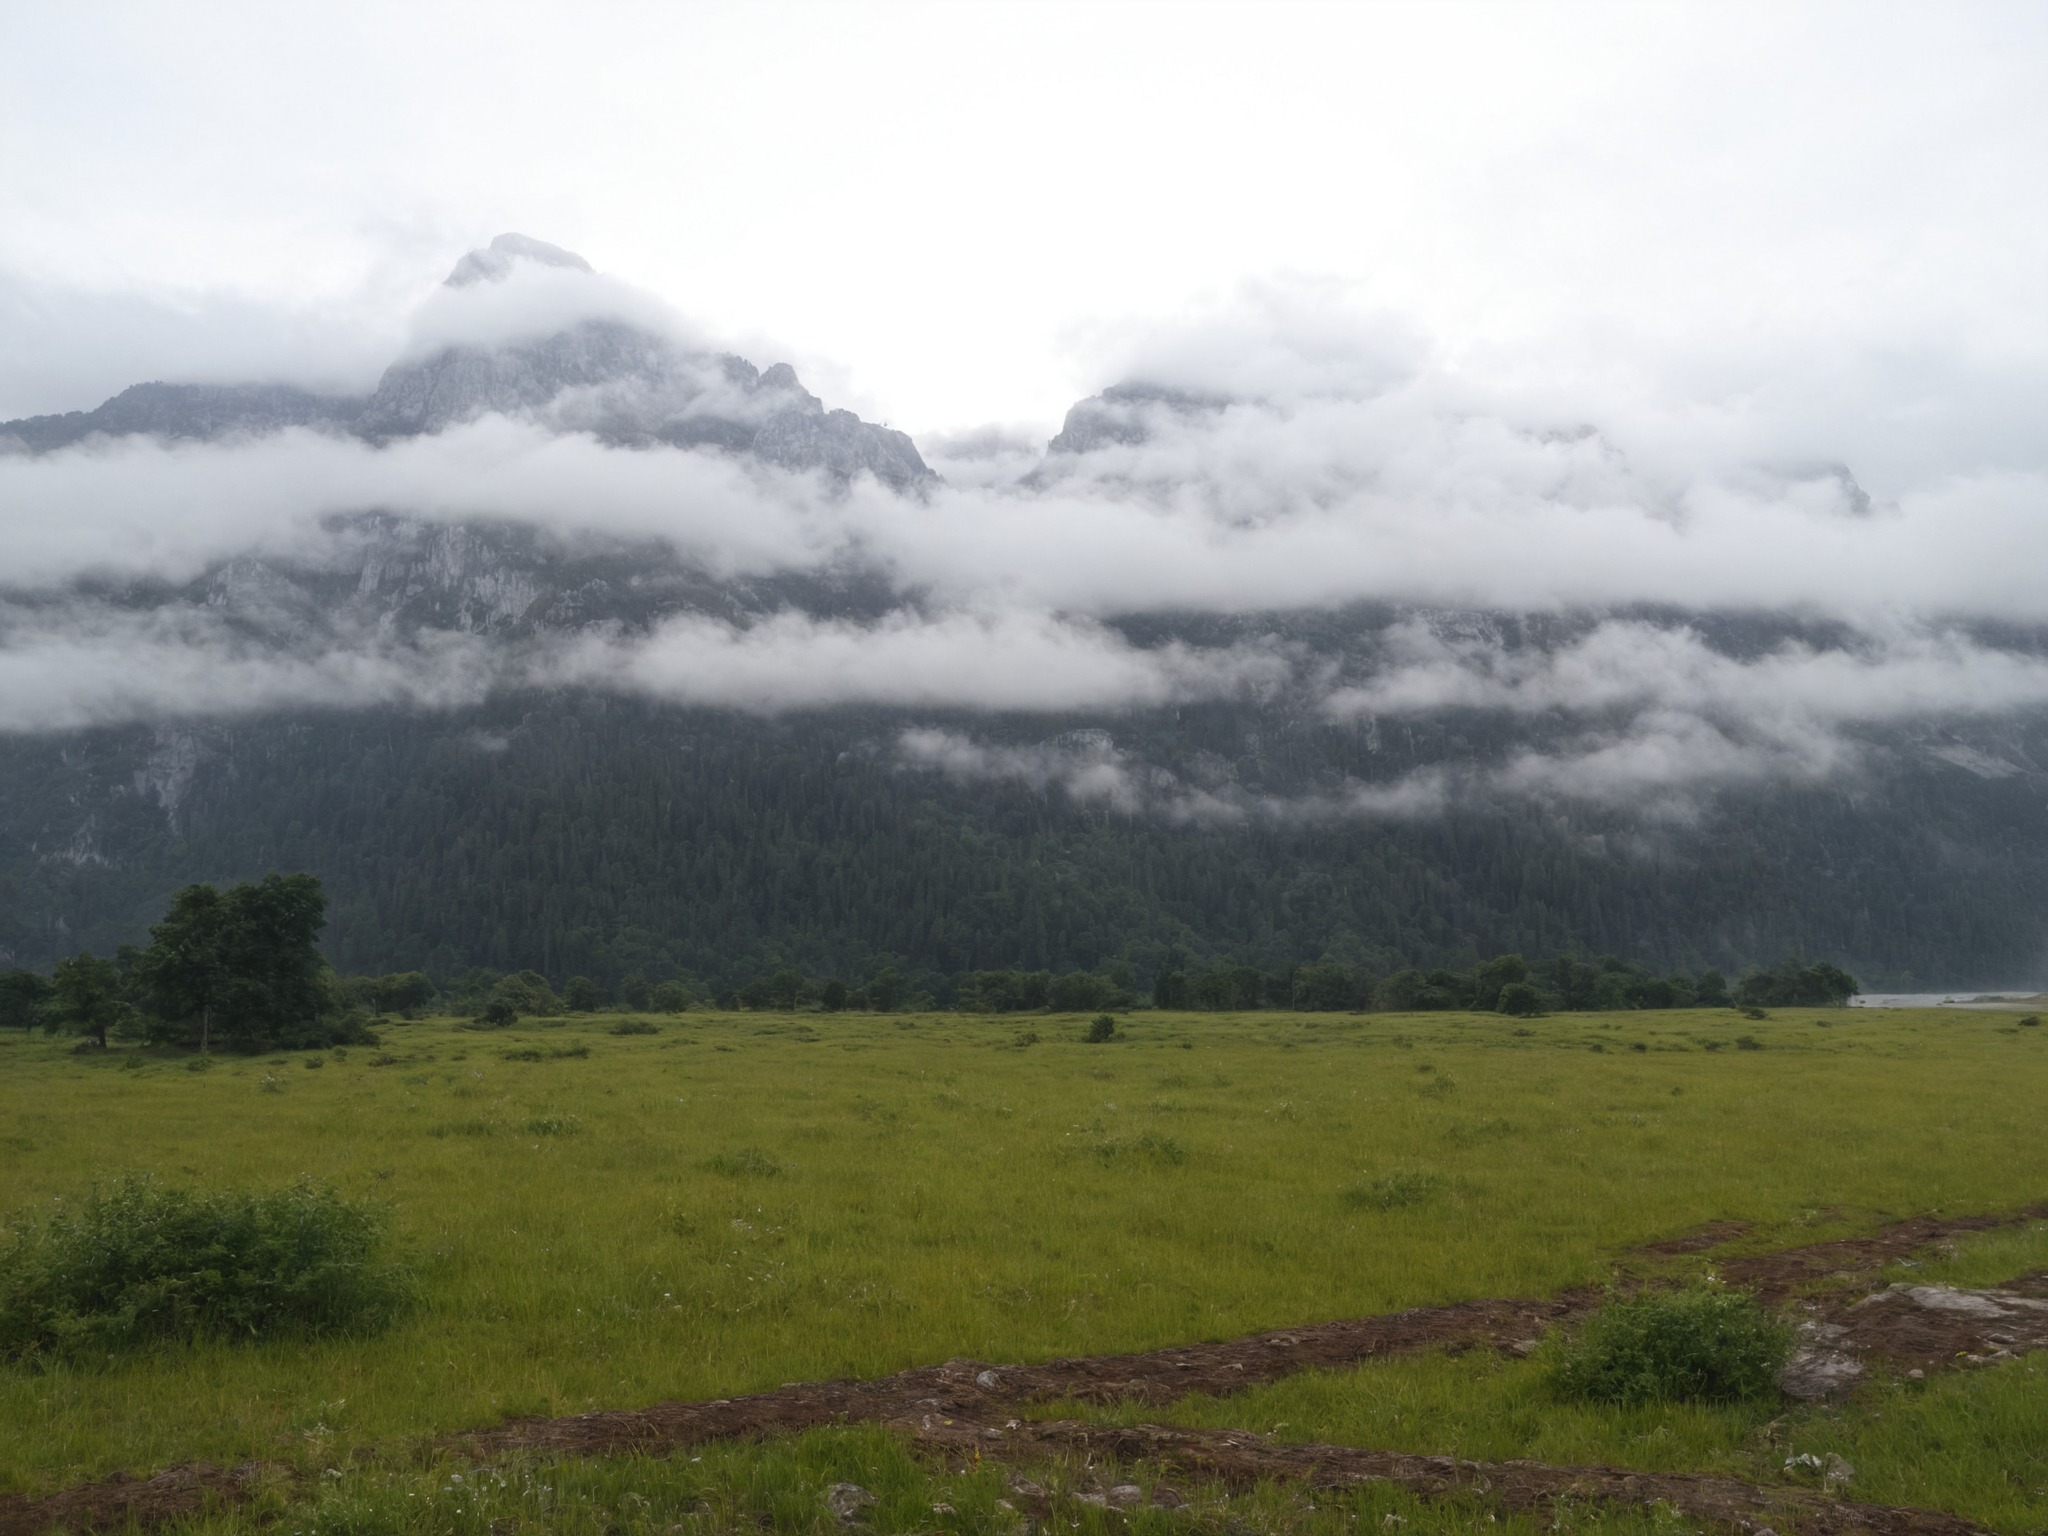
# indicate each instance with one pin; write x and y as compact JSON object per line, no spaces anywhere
{"x":2030,"y":1020}
{"x":1710,"y":990}
{"x":1490,"y":977}
{"x":1703,"y":1344}
{"x":1520,"y":999}
{"x":85,"y":998}
{"x":671,"y":997}
{"x":1170,"y":990}
{"x":22,"y":996}
{"x":635,"y":1027}
{"x":1328,"y":988}
{"x":1228,"y":987}
{"x":140,"y":1264}
{"x":832,"y":996}
{"x":242,"y":964}
{"x":582,"y":995}
{"x":1078,"y":992}
{"x":886,"y":990}
{"x":1101,"y":1029}
{"x":527,"y":994}
{"x":499,"y":1013}
{"x":779,"y":991}
{"x":1792,"y":985}
{"x":402,"y":992}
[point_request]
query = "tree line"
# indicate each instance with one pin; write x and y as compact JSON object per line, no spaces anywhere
{"x":238,"y":969}
{"x":241,"y":969}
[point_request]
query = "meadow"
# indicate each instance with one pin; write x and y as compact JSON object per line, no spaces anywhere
{"x":727,"y":1202}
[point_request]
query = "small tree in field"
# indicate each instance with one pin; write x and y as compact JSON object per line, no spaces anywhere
{"x":86,"y":997}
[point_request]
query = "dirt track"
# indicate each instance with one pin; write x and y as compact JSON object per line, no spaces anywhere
{"x":1523,"y":1487}
{"x":1833,"y":1281}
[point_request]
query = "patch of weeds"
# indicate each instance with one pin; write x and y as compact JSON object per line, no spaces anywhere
{"x":2030,"y":1021}
{"x":141,"y":1263}
{"x":271,"y":1083}
{"x":1441,"y":1086}
{"x":1748,"y":1043}
{"x":1754,"y":1013}
{"x":1149,"y":1147}
{"x":463,"y":1128}
{"x":553,"y":1125}
{"x":553,"y":1053}
{"x":314,"y":1063}
{"x":1477,"y":1131}
{"x":1024,"y":1038}
{"x":1398,"y":1190}
{"x":745,"y":1163}
{"x":199,"y":1064}
{"x":1704,"y":1344}
{"x":635,"y":1027}
{"x":1637,"y":1045}
{"x":1101,"y":1029}
{"x":385,"y":1059}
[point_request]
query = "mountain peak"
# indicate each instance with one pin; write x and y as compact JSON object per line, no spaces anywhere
{"x":494,"y":263}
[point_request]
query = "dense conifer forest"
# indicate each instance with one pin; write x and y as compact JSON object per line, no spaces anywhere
{"x":607,"y":839}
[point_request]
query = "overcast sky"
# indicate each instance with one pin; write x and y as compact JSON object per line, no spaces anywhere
{"x":1520,"y":307}
{"x":956,"y":214}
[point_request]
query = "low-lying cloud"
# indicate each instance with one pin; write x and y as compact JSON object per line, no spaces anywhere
{"x":1294,"y":466}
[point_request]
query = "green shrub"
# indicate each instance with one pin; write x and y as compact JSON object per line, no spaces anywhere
{"x":140,"y":1264}
{"x":635,"y":1027}
{"x":1704,"y":1344}
{"x":1520,"y":1000}
{"x":1101,"y":1029}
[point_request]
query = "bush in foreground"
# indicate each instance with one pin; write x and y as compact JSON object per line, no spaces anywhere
{"x":141,"y":1264}
{"x":1704,"y":1344}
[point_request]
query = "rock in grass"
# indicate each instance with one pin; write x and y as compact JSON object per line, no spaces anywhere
{"x":847,"y":1501}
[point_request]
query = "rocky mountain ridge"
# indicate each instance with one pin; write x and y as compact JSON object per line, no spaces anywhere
{"x":622,"y":382}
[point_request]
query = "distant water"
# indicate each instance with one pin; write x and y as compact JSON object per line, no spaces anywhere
{"x":1962,"y":997}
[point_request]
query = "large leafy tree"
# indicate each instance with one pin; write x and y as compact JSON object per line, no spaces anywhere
{"x":243,"y":960}
{"x":85,"y":996}
{"x":22,"y":994}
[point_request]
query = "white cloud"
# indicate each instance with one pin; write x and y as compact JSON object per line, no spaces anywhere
{"x":1003,"y":661}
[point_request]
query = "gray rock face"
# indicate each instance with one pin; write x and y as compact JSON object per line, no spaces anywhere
{"x":1126,"y":415}
{"x":494,"y":263}
{"x":629,"y":386}
{"x":206,"y":412}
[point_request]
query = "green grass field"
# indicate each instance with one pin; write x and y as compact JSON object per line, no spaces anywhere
{"x":738,"y":1201}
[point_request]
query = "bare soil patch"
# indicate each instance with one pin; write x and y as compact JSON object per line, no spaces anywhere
{"x":1235,"y":1457}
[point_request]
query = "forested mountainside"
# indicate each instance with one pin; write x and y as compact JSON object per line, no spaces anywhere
{"x":583,"y":646}
{"x":577,"y":834}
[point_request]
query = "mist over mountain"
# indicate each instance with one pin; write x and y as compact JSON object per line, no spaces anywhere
{"x":585,"y":644}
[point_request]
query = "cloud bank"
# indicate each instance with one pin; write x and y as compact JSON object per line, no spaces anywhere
{"x":1305,"y":508}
